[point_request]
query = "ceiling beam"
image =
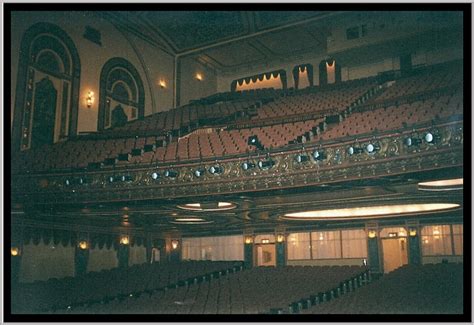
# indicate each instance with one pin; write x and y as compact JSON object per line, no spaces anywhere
{"x":263,"y":32}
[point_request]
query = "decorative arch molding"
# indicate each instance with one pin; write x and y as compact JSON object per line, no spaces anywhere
{"x":25,"y":60}
{"x":109,"y":66}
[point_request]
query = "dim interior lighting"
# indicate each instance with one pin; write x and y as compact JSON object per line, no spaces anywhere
{"x":171,"y":173}
{"x":90,"y":99}
{"x":248,"y":165}
{"x":208,"y":206}
{"x":111,"y":179}
{"x":372,"y":234}
{"x":265,"y":241}
{"x":162,"y":83}
{"x":280,"y":238}
{"x":199,"y":172}
{"x":382,"y":210}
{"x":352,"y":150}
{"x":392,"y":234}
{"x":67,"y":182}
{"x":216,"y":170}
{"x":126,"y":178}
{"x":412,"y":232}
{"x":301,"y":158}
{"x":14,"y":251}
{"x":442,"y":185}
{"x":248,"y":240}
{"x":189,"y":219}
{"x":199,"y":76}
{"x":124,"y":240}
{"x":174,"y":243}
{"x":155,"y":175}
{"x":266,"y":164}
{"x":372,"y":148}
{"x":83,"y":244}
{"x":319,"y":155}
{"x":412,"y":141}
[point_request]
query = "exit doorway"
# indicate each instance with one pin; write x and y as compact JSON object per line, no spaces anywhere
{"x":394,"y":253}
{"x":266,"y":255}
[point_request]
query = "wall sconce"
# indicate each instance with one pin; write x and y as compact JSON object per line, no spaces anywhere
{"x":412,"y":232}
{"x":162,"y":83}
{"x":124,"y":240}
{"x":83,"y":245}
{"x":248,"y":239}
{"x":15,"y":251}
{"x":199,"y":77}
{"x":372,"y":234}
{"x":90,"y":99}
{"x":174,"y":244}
{"x":280,"y":238}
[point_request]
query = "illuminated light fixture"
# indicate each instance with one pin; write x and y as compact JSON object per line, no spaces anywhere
{"x":265,"y":241}
{"x":442,"y":185}
{"x":199,"y":172}
{"x":412,"y":232}
{"x":248,"y":165}
{"x":280,"y":238}
{"x":319,"y":155}
{"x":155,"y":175}
{"x":90,"y":99}
{"x":171,"y":173}
{"x":392,"y":234}
{"x":14,"y":251}
{"x":67,"y":182}
{"x":216,"y":170}
{"x":162,"y":83}
{"x":126,"y":178}
{"x":412,"y":141}
{"x":266,"y":164}
{"x":124,"y":240}
{"x":111,"y":179}
{"x":208,"y":206}
{"x":432,"y":138}
{"x":372,"y":234}
{"x":82,"y":180}
{"x":174,"y":244}
{"x":301,"y":158}
{"x":254,"y":141}
{"x":370,"y":211}
{"x":199,"y":77}
{"x":248,"y":239}
{"x":83,"y":245}
{"x":191,"y":221}
{"x":372,"y":148}
{"x":354,"y":150}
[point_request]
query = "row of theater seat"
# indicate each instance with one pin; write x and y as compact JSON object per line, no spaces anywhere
{"x":411,"y":289}
{"x":424,"y":81}
{"x":253,"y":291}
{"x":109,"y":284}
{"x":319,"y":99}
{"x":395,"y":117}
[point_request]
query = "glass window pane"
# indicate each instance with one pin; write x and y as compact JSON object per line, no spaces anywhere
{"x":354,"y":243}
{"x":458,"y":239}
{"x":299,"y":246}
{"x":436,"y":240}
{"x":326,"y":244}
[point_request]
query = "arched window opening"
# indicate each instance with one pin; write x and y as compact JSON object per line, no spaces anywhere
{"x":121,"y":94}
{"x":46,"y":103}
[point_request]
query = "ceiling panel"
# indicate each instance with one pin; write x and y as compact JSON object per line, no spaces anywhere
{"x":290,"y":41}
{"x":234,"y":54}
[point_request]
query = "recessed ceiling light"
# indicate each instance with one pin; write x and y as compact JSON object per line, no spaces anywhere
{"x":208,"y":206}
{"x":370,"y":211}
{"x":442,"y":185}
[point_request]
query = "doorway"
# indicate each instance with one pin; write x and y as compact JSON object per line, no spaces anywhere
{"x":394,"y":253}
{"x":266,"y":255}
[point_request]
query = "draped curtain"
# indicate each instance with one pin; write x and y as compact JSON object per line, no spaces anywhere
{"x":222,"y":248}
